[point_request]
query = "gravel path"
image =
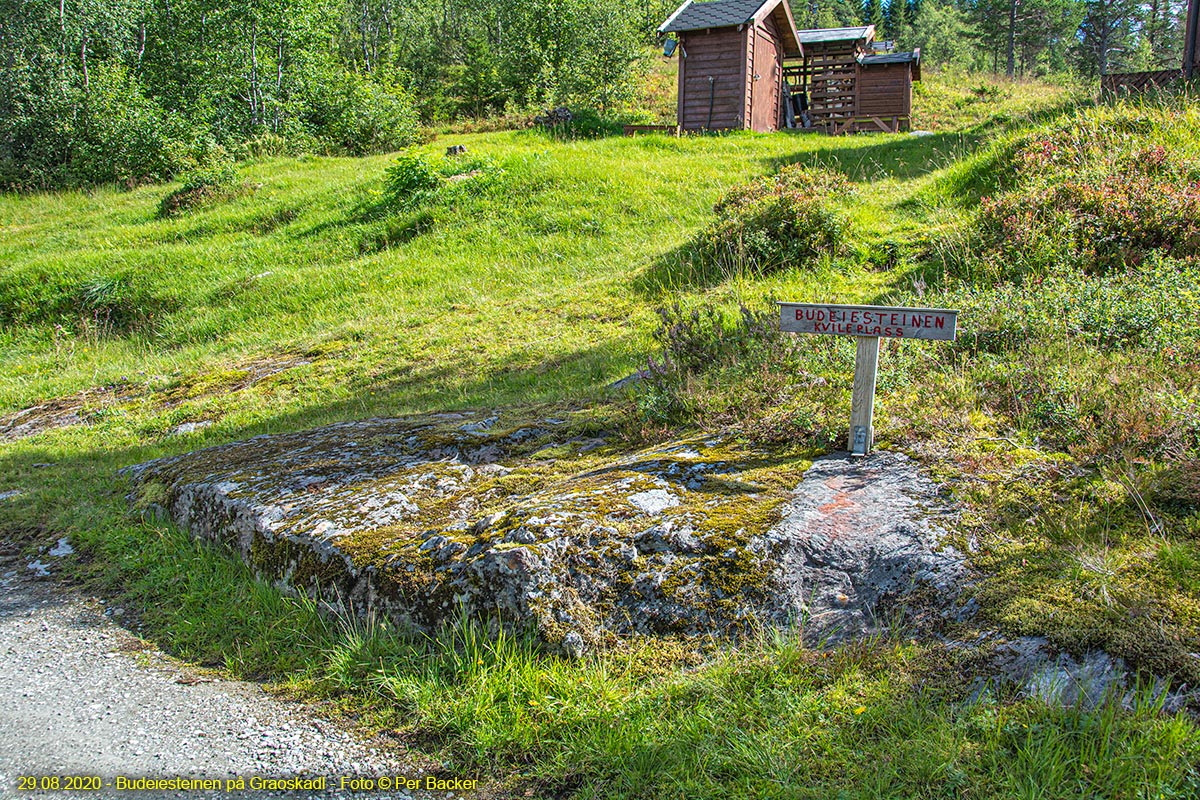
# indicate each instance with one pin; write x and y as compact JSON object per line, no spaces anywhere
{"x":81,"y":696}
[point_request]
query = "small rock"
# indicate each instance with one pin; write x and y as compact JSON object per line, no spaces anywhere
{"x":485,"y":523}
{"x":654,"y":501}
{"x":628,"y":380}
{"x":63,"y":548}
{"x":480,"y":428}
{"x":573,"y":645}
{"x":433,"y":543}
{"x":191,"y":427}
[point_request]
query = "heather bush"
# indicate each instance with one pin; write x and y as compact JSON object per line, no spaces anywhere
{"x":1104,"y":190}
{"x":772,"y":223}
{"x":710,"y":365}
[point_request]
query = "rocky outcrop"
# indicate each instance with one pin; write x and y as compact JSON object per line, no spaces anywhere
{"x":525,"y":523}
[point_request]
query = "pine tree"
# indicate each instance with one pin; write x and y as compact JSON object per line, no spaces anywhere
{"x":873,"y":15}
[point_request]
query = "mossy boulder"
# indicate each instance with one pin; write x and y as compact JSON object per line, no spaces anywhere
{"x":520,"y":522}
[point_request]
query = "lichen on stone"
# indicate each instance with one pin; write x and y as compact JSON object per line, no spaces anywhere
{"x":513,"y":520}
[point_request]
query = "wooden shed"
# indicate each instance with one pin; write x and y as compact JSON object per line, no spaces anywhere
{"x":823,"y":80}
{"x":842,"y":84}
{"x":731,"y":55}
{"x":883,"y":91}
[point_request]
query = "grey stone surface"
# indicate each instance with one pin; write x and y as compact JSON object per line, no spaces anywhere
{"x":653,"y":501}
{"x":418,"y":518}
{"x":1060,"y":679}
{"x":191,"y":427}
{"x":858,"y":536}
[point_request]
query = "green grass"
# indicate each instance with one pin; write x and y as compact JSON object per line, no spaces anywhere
{"x":539,"y":289}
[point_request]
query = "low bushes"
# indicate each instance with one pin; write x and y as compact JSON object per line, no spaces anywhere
{"x":112,"y":133}
{"x":1105,"y":189}
{"x":739,"y":372}
{"x":417,"y":178}
{"x":201,"y":187}
{"x":772,"y":223}
{"x":348,"y":113}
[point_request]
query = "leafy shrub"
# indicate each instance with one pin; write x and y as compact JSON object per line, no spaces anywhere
{"x":413,"y":177}
{"x":777,"y":222}
{"x":1117,"y":311}
{"x":111,"y":133}
{"x":1117,"y":222}
{"x":416,"y":178}
{"x":1104,"y":189}
{"x":201,"y":187}
{"x":355,"y":115}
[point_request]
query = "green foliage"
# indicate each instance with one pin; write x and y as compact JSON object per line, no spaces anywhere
{"x":200,"y":187}
{"x":356,"y":115}
{"x":417,"y":177}
{"x":728,"y":371}
{"x":110,"y":133}
{"x":108,"y":305}
{"x":1121,"y":310}
{"x":766,"y":225}
{"x":942,"y":31}
{"x":1085,"y":194}
{"x":583,"y":123}
{"x":1064,"y":421}
{"x":413,"y":177}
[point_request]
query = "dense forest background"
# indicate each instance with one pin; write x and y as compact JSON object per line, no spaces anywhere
{"x":95,"y":91}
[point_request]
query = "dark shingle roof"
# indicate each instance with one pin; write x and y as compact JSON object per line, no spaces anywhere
{"x":836,"y":34}
{"x":890,"y":58}
{"x":716,"y":14}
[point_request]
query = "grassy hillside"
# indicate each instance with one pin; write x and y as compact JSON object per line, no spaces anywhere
{"x":1064,"y":418}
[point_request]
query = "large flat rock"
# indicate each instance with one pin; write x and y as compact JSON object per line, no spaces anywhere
{"x":860,"y":534}
{"x":522,"y":522}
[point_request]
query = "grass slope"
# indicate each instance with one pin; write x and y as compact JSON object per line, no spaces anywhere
{"x":309,"y":299}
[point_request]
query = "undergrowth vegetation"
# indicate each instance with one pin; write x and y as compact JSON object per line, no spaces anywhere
{"x":787,"y":220}
{"x":1097,"y":191}
{"x":200,"y":187}
{"x":1063,"y":421}
{"x":1068,"y":406}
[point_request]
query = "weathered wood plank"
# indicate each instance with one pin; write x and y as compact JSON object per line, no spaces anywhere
{"x":886,"y":321}
{"x":862,"y":396}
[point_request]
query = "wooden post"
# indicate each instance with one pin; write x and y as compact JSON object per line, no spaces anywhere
{"x":862,"y":398}
{"x":867,"y":324}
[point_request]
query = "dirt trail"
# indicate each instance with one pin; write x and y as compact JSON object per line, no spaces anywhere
{"x":79,"y":695}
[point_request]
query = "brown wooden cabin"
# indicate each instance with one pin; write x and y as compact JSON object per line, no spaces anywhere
{"x":731,"y":55}
{"x":883,"y":91}
{"x":842,"y":85}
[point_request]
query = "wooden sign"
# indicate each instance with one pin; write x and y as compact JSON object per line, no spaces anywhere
{"x":868,"y":324}
{"x":898,"y":323}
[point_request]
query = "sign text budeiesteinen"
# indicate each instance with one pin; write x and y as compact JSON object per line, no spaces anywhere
{"x":890,"y":323}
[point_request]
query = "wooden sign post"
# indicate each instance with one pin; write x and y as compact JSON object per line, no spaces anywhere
{"x":868,"y":324}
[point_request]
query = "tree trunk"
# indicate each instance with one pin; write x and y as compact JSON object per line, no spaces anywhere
{"x":278,"y":77}
{"x":1012,"y":37}
{"x":362,"y":32}
{"x":83,"y":59}
{"x":254,"y":95}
